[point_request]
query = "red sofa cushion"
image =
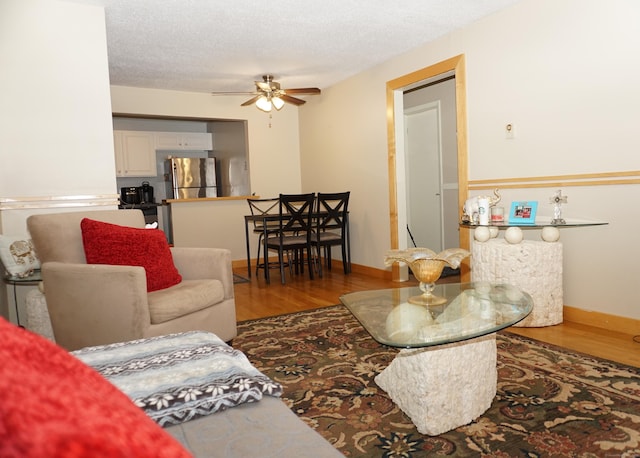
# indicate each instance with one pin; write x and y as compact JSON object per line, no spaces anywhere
{"x":106,"y":243}
{"x":53,"y":405}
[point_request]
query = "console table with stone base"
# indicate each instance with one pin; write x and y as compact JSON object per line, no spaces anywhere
{"x":443,"y":387}
{"x":533,"y":266}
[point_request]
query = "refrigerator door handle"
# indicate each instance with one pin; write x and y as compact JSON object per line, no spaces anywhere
{"x":174,"y":179}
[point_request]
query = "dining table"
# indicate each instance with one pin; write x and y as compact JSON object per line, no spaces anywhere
{"x":267,"y":221}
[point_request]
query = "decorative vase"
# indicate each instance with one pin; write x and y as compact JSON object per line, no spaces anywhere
{"x":427,"y":267}
{"x":427,"y":271}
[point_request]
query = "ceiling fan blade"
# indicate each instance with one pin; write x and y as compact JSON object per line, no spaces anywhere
{"x":233,"y":93}
{"x":252,"y":100}
{"x":302,"y":90}
{"x":292,"y":100}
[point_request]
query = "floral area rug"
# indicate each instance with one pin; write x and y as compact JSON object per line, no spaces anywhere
{"x":550,"y":402}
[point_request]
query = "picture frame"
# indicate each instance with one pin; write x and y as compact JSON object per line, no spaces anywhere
{"x":523,"y":212}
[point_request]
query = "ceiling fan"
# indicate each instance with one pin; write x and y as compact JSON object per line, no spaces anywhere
{"x":269,"y":94}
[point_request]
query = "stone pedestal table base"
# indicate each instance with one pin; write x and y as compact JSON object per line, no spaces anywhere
{"x":535,"y":267}
{"x":443,"y":387}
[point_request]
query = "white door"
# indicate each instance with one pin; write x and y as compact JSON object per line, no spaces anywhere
{"x":423,"y":177}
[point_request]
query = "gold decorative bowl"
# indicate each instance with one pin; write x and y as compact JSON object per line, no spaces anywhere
{"x":427,"y":267}
{"x":427,"y":271}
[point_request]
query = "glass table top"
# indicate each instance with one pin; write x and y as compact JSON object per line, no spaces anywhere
{"x":541,"y":221}
{"x":33,"y":277}
{"x":471,"y":310}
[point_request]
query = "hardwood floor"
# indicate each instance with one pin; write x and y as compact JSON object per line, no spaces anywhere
{"x":256,"y":299}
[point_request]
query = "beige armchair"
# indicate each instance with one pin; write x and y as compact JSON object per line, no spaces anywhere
{"x":94,"y":304}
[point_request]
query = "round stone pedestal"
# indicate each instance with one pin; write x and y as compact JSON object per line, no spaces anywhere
{"x":535,"y":267}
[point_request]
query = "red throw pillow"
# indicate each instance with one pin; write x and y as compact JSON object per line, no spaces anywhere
{"x":106,"y":243}
{"x":53,"y":405}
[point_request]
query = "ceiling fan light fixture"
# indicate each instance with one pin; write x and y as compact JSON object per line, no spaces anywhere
{"x":269,"y":94}
{"x":277,"y":102}
{"x":264,"y":104}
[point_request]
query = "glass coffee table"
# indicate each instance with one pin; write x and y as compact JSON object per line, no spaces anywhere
{"x":445,"y":376}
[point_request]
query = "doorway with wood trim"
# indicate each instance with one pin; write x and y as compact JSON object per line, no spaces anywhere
{"x":398,"y":188}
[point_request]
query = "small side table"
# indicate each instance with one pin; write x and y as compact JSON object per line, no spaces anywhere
{"x":32,"y":279}
{"x":534,"y":266}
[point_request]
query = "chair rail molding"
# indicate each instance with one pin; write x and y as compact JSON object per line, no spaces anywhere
{"x":553,"y":181}
{"x":22,"y":203}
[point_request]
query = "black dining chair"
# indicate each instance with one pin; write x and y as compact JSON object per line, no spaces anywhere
{"x":332,"y":228}
{"x":294,"y":233}
{"x":260,"y":208}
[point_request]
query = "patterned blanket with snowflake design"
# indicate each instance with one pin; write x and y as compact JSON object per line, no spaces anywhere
{"x":179,"y":377}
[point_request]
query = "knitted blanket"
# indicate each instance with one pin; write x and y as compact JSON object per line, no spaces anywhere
{"x":180,"y":377}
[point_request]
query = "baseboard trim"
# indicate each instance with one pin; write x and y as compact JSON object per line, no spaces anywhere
{"x":369,"y":271}
{"x":601,"y":320}
{"x":336,"y":264}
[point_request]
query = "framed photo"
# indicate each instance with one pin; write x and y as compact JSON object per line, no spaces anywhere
{"x":523,"y":212}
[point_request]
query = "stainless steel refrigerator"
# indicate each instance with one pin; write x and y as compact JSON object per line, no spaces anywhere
{"x":192,"y":177}
{"x":233,"y":176}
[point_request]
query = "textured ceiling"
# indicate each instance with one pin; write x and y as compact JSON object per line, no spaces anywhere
{"x":216,"y":45}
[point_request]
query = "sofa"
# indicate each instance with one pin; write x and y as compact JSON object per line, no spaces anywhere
{"x":53,"y":403}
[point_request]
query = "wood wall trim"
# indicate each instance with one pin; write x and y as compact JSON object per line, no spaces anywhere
{"x":336,"y":264}
{"x":22,"y":203}
{"x":552,"y":181}
{"x":207,"y":199}
{"x":601,"y":320}
{"x":457,"y":65}
{"x":369,"y":271}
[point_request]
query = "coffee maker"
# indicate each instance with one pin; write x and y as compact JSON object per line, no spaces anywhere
{"x":129,"y":195}
{"x":145,"y":193}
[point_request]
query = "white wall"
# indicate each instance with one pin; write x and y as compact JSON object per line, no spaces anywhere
{"x":570,"y":90}
{"x":55,"y":109}
{"x":564,"y":73}
{"x":343,"y":144}
{"x":55,"y":115}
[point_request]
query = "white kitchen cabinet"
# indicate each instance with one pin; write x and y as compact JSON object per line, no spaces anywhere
{"x":183,"y":141}
{"x":135,"y":153}
{"x":117,"y":146}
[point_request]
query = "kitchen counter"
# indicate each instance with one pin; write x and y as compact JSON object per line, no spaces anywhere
{"x":210,"y":222}
{"x":149,"y":210}
{"x":144,"y":206}
{"x":207,"y":199}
